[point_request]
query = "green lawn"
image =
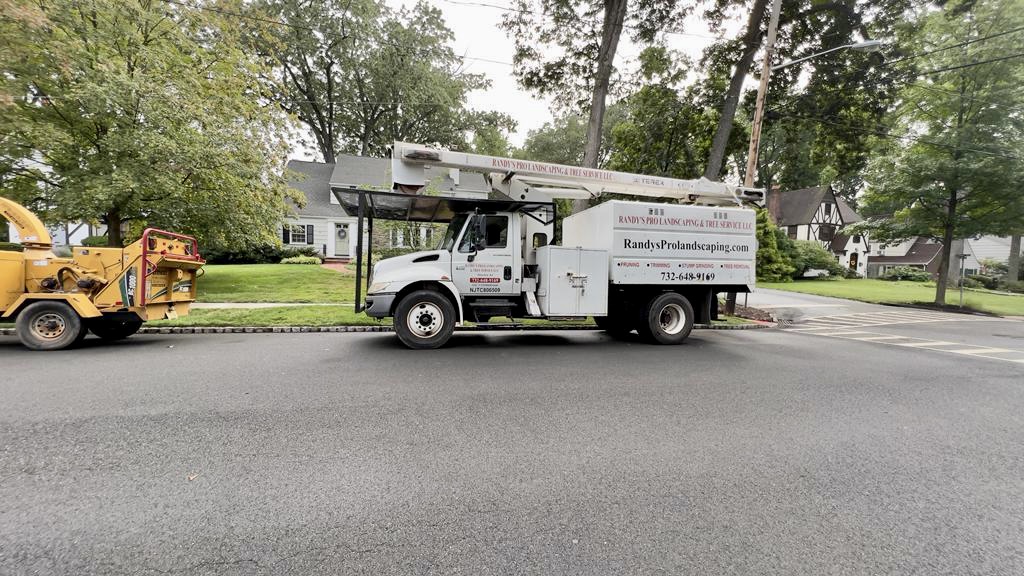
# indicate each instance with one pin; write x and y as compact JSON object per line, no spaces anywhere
{"x":274,"y":283}
{"x":340,"y":315}
{"x":884,"y":292}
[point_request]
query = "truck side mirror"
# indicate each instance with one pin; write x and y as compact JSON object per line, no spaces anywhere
{"x":480,"y":235}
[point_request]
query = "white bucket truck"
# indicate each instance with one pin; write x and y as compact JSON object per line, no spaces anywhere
{"x":651,"y":267}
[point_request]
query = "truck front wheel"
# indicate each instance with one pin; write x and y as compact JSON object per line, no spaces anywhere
{"x":424,"y":319}
{"x":49,"y":325}
{"x":668,"y":319}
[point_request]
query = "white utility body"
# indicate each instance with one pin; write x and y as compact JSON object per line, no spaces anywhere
{"x":647,"y":266}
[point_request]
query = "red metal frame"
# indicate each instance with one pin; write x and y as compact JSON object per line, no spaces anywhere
{"x":146,"y":252}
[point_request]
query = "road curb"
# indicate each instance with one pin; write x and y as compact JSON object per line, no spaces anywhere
{"x":299,"y":329}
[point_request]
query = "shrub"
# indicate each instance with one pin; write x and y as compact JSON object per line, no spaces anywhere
{"x":267,"y":254}
{"x":970,"y":282}
{"x":773,"y":263}
{"x":95,"y":241}
{"x":983,"y":281}
{"x":1015,"y":287}
{"x":12,"y":247}
{"x":301,"y":260}
{"x":908,"y":273}
{"x":808,"y":255}
{"x":382,"y":253}
{"x":851,"y":274}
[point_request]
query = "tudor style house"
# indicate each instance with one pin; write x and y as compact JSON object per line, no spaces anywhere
{"x":818,"y":215}
{"x":324,"y":224}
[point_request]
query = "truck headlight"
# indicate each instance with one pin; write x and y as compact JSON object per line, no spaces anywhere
{"x":378,"y":287}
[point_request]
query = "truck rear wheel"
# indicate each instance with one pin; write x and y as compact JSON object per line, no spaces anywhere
{"x":49,"y":325}
{"x":424,"y":319}
{"x":113,"y":328}
{"x":668,"y":319}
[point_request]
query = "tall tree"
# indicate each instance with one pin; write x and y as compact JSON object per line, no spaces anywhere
{"x":567,"y":50}
{"x":955,"y":165}
{"x":359,"y":75}
{"x":135,"y":113}
{"x":839,"y":82}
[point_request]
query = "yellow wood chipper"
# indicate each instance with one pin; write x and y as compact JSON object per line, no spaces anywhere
{"x":110,"y":292}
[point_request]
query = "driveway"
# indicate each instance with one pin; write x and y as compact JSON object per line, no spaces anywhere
{"x":741,"y":452}
{"x":794,"y":306}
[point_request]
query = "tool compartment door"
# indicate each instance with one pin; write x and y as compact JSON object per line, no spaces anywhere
{"x":573,"y":281}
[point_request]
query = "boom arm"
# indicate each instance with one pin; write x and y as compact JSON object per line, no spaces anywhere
{"x":408,"y":162}
{"x":30,"y":228}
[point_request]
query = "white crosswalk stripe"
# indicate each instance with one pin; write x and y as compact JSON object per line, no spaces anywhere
{"x":867,"y":319}
{"x":850,"y":327}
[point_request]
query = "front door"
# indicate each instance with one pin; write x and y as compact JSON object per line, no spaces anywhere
{"x":341,"y":241}
{"x":853,"y":261}
{"x":489,"y":270}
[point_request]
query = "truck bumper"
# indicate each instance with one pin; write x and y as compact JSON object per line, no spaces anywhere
{"x":379,"y":305}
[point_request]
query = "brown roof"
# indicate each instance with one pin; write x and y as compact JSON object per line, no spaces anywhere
{"x":798,"y":206}
{"x":921,"y":252}
{"x":838,"y":243}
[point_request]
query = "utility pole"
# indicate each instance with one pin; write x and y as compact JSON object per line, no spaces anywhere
{"x":755,"y":129}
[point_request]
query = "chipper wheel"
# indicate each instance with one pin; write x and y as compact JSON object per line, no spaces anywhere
{"x":114,"y":328}
{"x":49,"y":325}
{"x":424,"y":319}
{"x":667,"y":319}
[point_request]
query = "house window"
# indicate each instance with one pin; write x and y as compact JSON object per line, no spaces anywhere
{"x":791,"y":232}
{"x":826,"y":232}
{"x":856,"y":238}
{"x":828,"y":209}
{"x":297,"y":234}
{"x":397,"y":238}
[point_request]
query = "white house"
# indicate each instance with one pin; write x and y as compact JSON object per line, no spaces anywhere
{"x":325,"y":225}
{"x":66,"y":234}
{"x":818,"y":215}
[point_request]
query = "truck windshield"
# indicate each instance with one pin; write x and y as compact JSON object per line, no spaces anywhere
{"x":452,"y":233}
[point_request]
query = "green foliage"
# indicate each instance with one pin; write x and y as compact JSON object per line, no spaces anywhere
{"x":138,"y":112}
{"x":265,"y":254}
{"x":983,"y":281}
{"x":958,"y":171}
{"x":1016,"y":287}
{"x":970,"y":282}
{"x":807,"y":255}
{"x":907,"y":273}
{"x":302,"y":260}
{"x":95,"y":240}
{"x":558,"y":43}
{"x":11,"y":247}
{"x":773,"y":264}
{"x":368,"y":75}
{"x":993,"y":267}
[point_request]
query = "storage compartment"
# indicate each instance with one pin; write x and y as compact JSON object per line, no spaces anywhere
{"x":669,"y":244}
{"x":572,"y":281}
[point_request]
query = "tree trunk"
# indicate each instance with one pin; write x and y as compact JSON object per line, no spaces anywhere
{"x":113,"y":221}
{"x":614,"y":14}
{"x":947,"y":250}
{"x":751,"y":43}
{"x":1013,"y":263}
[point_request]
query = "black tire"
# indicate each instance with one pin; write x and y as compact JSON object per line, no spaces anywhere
{"x":114,"y":328}
{"x":424,"y":319}
{"x":49,"y":325}
{"x":667,"y":319}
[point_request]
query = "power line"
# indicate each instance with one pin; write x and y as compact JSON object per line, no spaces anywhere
{"x":951,"y":46}
{"x":969,"y":64}
{"x":887,"y":135}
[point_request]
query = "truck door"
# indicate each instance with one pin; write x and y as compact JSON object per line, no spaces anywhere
{"x":487,"y":266}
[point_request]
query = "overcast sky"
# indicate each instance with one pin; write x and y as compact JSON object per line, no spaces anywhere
{"x":488,"y":50}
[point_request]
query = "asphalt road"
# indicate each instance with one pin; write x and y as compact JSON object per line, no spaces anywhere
{"x":741,"y":452}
